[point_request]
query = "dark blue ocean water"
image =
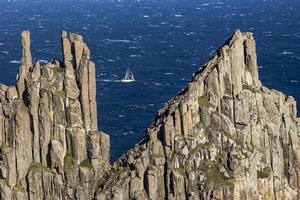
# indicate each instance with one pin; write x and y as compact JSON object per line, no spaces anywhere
{"x":164,"y":41}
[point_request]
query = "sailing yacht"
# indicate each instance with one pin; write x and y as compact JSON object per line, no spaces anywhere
{"x":129,"y":76}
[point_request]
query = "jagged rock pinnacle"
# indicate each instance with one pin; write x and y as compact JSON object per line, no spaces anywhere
{"x":224,"y":136}
{"x":26,"y":59}
{"x":48,"y":126}
{"x":26,"y":62}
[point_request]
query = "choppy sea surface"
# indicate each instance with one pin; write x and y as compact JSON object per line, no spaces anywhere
{"x":164,"y":41}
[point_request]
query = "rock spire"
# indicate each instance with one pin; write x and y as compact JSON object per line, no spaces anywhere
{"x":225,"y":136}
{"x":48,"y":127}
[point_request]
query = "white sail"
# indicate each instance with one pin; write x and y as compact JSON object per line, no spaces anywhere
{"x":128,"y":74}
{"x":129,"y":77}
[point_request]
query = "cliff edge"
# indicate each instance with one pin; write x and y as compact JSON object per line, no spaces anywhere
{"x":224,"y":136}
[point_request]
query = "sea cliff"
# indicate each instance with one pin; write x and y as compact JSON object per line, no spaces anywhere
{"x":224,"y":136}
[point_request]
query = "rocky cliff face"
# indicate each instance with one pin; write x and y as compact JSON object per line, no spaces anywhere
{"x":224,"y":136}
{"x":50,"y":144}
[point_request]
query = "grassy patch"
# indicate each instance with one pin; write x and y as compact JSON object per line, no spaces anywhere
{"x":225,"y":97}
{"x":23,"y":108}
{"x":43,"y":90}
{"x":19,"y":187}
{"x":181,"y":171}
{"x":69,"y":161}
{"x":206,"y":133}
{"x":157,"y":155}
{"x":203,"y":101}
{"x":3,"y":146}
{"x":250,"y":88}
{"x":265,"y":173}
{"x":38,"y":167}
{"x":200,"y":147}
{"x":60,"y":93}
{"x":251,"y":147}
{"x":202,"y":167}
{"x":216,"y":177}
{"x":110,"y":179}
{"x":86,"y":164}
{"x":58,"y":69}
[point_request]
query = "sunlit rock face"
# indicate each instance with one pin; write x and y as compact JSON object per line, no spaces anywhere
{"x":224,"y":136}
{"x":50,"y":144}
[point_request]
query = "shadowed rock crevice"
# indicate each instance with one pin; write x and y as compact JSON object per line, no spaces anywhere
{"x":224,"y":136}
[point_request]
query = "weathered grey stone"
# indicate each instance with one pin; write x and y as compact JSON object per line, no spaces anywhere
{"x":70,"y":84}
{"x":5,"y":190}
{"x":92,"y":95}
{"x":34,"y":97}
{"x":83,"y":80}
{"x":179,"y":185}
{"x":26,"y":63}
{"x":74,"y":116}
{"x":9,"y":162}
{"x":135,"y":185}
{"x":86,"y":52}
{"x":57,"y":154}
{"x":23,"y":140}
{"x":12,"y":93}
{"x":45,"y":125}
{"x":151,"y":184}
{"x":26,"y":58}
{"x":66,"y":47}
{"x":77,"y":45}
{"x":168,"y":132}
{"x":78,"y":142}
{"x":223,"y":137}
{"x":93,"y":145}
{"x":105,"y":145}
{"x":34,"y":178}
{"x":251,"y":60}
{"x":47,"y":150}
